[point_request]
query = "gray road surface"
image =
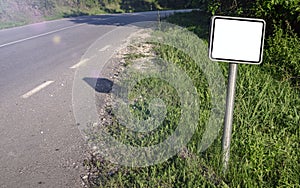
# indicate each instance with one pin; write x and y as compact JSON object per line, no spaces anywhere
{"x":40,"y":144}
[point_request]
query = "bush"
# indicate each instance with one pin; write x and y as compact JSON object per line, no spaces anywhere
{"x":276,"y":12}
{"x":279,"y":13}
{"x":282,"y":55}
{"x":282,"y":49}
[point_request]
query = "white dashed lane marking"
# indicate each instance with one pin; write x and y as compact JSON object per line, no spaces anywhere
{"x":80,"y":63}
{"x":37,"y":89}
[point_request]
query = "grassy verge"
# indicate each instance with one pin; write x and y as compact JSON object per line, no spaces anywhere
{"x":66,"y":12}
{"x":4,"y":25}
{"x":266,"y":132}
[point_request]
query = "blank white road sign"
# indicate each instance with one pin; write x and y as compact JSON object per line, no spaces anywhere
{"x":237,"y":40}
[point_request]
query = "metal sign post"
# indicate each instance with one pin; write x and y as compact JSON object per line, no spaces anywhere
{"x":233,"y":68}
{"x":235,"y":40}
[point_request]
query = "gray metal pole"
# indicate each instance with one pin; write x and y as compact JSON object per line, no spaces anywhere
{"x":233,"y":68}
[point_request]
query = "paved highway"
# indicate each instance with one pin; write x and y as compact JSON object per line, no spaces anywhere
{"x":40,"y":144}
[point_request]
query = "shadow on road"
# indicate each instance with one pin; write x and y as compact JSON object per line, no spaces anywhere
{"x":101,"y":85}
{"x":116,"y":19}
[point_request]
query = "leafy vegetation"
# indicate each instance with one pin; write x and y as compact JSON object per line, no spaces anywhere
{"x":285,"y":14}
{"x":282,"y":53}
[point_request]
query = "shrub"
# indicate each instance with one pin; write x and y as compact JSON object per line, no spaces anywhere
{"x":282,"y":55}
{"x":282,"y":49}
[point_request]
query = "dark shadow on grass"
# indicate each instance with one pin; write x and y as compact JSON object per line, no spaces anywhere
{"x":195,"y":21}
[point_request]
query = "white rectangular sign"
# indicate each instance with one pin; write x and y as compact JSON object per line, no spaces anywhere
{"x":237,"y":40}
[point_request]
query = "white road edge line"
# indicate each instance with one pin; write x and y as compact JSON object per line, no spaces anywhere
{"x":80,"y":63}
{"x":40,"y":35}
{"x":104,"y":48}
{"x":37,"y":89}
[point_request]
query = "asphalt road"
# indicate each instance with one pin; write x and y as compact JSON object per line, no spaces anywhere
{"x":40,"y":143}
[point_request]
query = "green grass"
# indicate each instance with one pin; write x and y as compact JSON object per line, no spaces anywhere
{"x":265,"y":141}
{"x":4,"y":25}
{"x":65,"y":12}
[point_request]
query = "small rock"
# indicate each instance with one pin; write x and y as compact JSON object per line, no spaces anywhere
{"x":95,"y":147}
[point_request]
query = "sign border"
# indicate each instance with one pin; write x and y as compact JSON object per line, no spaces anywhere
{"x":212,"y":28}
